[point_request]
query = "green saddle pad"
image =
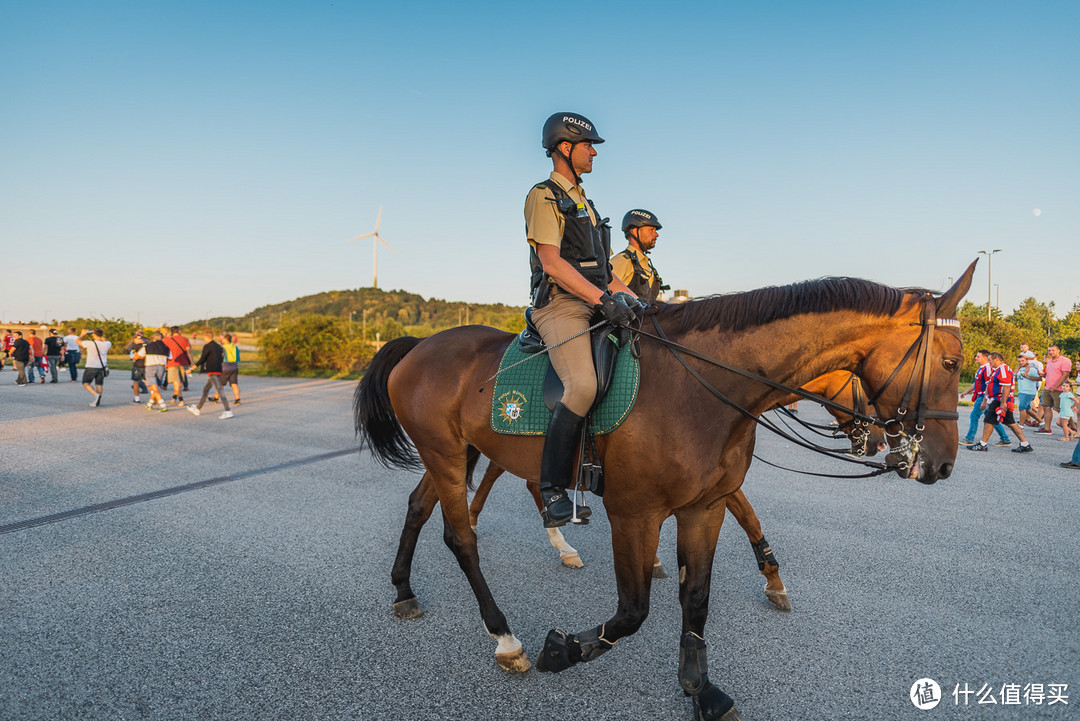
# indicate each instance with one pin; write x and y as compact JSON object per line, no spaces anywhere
{"x":517,"y":402}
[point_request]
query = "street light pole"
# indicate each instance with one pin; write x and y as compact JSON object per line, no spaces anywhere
{"x":989,"y":265}
{"x":997,"y":297}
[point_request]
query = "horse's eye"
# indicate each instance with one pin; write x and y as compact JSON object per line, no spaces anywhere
{"x":950,"y":365}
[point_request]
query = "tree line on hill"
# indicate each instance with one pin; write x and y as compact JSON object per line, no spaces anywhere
{"x":370,"y":311}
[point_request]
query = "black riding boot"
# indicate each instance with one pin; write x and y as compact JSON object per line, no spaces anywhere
{"x":557,"y":467}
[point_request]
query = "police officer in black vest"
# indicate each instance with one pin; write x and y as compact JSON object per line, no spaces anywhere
{"x":633,"y":266}
{"x":570,"y":245}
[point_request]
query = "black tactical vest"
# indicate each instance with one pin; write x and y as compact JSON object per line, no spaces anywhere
{"x":639,"y":284}
{"x":585,"y":246}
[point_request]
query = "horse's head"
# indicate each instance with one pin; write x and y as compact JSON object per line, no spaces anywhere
{"x":912,"y":376}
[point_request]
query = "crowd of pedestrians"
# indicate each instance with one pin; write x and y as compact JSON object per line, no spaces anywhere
{"x":1035,"y":391}
{"x":158,"y":363}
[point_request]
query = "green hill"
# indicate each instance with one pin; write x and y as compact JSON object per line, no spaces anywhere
{"x":391,"y":313}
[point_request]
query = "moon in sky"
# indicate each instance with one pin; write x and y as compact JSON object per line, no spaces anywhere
{"x":1037,"y":212}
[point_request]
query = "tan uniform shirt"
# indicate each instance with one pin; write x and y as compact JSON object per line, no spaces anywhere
{"x":623,"y":269}
{"x":543,"y":221}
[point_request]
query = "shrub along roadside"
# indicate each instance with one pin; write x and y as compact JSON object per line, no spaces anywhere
{"x":314,"y":345}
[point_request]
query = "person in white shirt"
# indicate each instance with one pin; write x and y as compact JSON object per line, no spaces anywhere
{"x":71,"y":353}
{"x":97,"y":364}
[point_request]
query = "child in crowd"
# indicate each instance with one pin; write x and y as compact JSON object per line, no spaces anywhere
{"x":1066,"y":414}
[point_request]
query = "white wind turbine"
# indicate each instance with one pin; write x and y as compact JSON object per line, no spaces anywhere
{"x":375,"y":240}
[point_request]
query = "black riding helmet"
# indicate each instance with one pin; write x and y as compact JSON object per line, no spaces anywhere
{"x":568,"y":127}
{"x":638,"y":218}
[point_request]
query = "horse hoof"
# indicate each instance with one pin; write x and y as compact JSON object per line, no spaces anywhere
{"x":409,"y":608}
{"x":514,"y":662}
{"x":658,"y":571}
{"x":712,"y":704}
{"x":779,"y":598}
{"x":555,"y":656}
{"x":572,"y":560}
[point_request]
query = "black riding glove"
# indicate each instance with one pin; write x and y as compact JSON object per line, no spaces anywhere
{"x":615,"y":311}
{"x":632,"y":302}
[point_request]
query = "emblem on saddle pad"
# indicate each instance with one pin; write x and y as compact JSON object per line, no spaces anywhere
{"x":511,"y":404}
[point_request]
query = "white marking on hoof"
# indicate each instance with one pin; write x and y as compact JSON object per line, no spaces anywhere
{"x":682,"y":575}
{"x":567,"y":554}
{"x":658,"y":571}
{"x":572,"y":560}
{"x":510,"y":655}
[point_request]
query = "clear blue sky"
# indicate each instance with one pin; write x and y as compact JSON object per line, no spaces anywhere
{"x":170,"y":160}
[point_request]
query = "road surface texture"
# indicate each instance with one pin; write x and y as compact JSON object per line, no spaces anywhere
{"x":265,"y":593}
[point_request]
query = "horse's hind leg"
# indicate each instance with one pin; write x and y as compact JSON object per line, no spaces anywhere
{"x":421,"y":503}
{"x":449,"y":479}
{"x":698,"y":530}
{"x":767,"y":563}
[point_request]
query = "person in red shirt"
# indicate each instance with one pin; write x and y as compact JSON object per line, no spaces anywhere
{"x":9,"y":342}
{"x":179,"y":361}
{"x":39,"y":356}
{"x":999,"y":406}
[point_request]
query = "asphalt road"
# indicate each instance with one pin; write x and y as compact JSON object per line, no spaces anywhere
{"x":266,"y":595}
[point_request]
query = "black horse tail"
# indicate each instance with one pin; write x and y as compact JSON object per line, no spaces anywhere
{"x":374,"y":418}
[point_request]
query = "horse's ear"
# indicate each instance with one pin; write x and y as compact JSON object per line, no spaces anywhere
{"x":950,"y":299}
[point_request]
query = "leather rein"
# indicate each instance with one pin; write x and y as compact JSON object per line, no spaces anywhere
{"x":907,"y":447}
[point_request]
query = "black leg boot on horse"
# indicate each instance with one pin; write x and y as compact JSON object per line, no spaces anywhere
{"x":557,"y":467}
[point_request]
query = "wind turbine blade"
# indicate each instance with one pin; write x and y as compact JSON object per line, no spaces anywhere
{"x":361,"y":237}
{"x":378,"y":219}
{"x":384,"y":242}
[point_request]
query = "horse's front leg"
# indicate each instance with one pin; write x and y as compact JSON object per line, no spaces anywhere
{"x":421,"y":503}
{"x":767,"y":563}
{"x":698,"y":530}
{"x":460,"y":538}
{"x":634,"y":542}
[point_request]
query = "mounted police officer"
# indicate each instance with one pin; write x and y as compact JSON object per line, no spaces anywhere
{"x":632,"y":266}
{"x":571,"y":276}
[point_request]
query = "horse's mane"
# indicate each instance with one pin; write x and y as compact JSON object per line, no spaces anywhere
{"x":738,"y":311}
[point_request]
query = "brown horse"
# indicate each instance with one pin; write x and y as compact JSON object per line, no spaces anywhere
{"x":903,"y":344}
{"x":840,"y":386}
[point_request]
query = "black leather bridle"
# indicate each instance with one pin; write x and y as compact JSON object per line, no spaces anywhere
{"x":907,"y":447}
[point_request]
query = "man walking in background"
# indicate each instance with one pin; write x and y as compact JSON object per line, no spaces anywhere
{"x":22,"y":354}
{"x":136,"y":350}
{"x":97,"y":365}
{"x":72,"y":353}
{"x":1058,"y":368}
{"x":1027,"y":386}
{"x":179,"y":359}
{"x":230,"y":367}
{"x":39,"y":356}
{"x":9,"y":342}
{"x":156,"y":356}
{"x":54,"y":349}
{"x":210,"y":361}
{"x":978,"y":391}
